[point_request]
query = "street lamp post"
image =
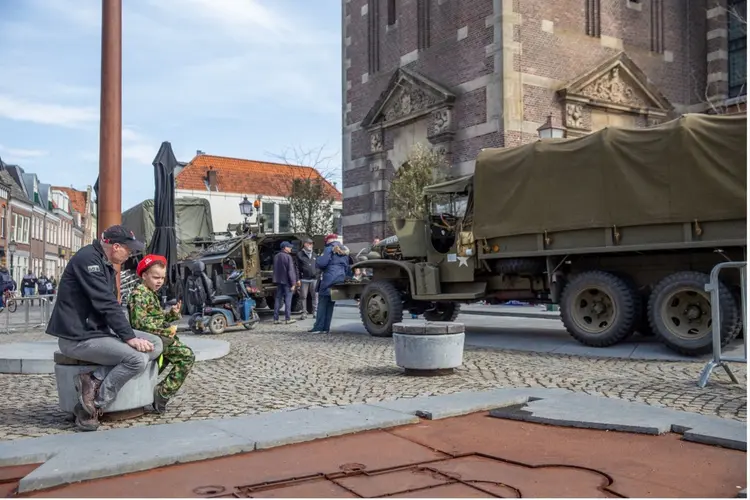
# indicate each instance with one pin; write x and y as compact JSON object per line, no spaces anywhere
{"x":12,"y":250}
{"x":550,"y":131}
{"x":246,"y":209}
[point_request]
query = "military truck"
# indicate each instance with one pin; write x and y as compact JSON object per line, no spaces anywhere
{"x":620,"y":228}
{"x":253,"y":254}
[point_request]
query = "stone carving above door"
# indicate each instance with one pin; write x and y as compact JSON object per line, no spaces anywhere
{"x":612,"y":88}
{"x":408,"y":96}
{"x":616,"y":85}
{"x":573,"y":115}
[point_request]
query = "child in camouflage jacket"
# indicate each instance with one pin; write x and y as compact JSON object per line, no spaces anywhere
{"x":147,"y":315}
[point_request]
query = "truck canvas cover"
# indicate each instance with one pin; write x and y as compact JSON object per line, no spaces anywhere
{"x":192,"y":218}
{"x":688,"y":169}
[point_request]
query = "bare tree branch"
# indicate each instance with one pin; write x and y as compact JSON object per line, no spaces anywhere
{"x":309,"y":189}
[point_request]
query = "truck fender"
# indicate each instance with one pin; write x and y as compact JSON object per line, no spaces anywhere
{"x":407,"y":267}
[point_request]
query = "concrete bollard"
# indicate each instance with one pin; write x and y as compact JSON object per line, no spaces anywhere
{"x":429,"y":349}
{"x":135,"y":394}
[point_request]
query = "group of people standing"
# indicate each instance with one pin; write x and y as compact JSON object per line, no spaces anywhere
{"x":313,"y":275}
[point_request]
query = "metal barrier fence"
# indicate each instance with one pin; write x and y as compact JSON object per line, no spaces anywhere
{"x":27,"y":315}
{"x":713,"y":288}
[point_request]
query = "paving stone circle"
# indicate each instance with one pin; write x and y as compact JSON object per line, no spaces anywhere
{"x":283,"y":367}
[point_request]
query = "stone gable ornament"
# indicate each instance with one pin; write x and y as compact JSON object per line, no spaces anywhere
{"x":611,"y":88}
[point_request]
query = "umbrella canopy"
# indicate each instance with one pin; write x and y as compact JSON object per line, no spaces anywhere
{"x":164,"y":240}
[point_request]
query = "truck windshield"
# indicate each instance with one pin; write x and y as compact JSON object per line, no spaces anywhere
{"x":454,"y":204}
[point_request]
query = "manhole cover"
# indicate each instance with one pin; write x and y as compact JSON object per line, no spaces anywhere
{"x":352,"y":467}
{"x":209,"y":490}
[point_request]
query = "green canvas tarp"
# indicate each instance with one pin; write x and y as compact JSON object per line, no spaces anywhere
{"x":691,"y":168}
{"x":192,"y":218}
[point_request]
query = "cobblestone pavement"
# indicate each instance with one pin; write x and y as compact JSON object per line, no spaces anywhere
{"x":282,"y":367}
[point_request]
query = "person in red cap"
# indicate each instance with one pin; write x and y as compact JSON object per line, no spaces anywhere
{"x":146,"y":314}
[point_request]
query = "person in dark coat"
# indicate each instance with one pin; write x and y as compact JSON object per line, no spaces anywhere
{"x":285,"y":279}
{"x":308,"y":276}
{"x":334,"y":264}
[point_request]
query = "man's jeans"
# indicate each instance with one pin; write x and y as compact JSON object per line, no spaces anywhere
{"x":308,"y":288}
{"x":119,"y":361}
{"x":283,"y":295}
{"x":325,"y":314}
{"x":28,"y":291}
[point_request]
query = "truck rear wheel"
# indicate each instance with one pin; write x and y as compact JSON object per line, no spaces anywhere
{"x":598,"y":309}
{"x":679,"y":311}
{"x":444,"y":311}
{"x":381,"y":307}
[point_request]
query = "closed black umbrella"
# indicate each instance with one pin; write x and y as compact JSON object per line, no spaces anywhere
{"x":164,"y":240}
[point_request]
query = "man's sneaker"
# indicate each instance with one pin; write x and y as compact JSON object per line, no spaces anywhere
{"x":86,"y":387}
{"x":290,"y":321}
{"x":276,"y":322}
{"x":84,"y":421}
{"x":302,"y":318}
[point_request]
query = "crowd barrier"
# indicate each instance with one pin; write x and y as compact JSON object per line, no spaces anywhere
{"x":713,"y":288}
{"x":27,"y":313}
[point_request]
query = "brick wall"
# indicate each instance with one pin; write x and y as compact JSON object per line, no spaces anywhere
{"x":553,"y":48}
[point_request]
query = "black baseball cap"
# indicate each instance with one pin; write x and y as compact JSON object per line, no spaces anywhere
{"x":286,"y":244}
{"x":121,"y":235}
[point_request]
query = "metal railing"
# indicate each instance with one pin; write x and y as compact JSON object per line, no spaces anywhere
{"x":713,"y":287}
{"x":26,"y":315}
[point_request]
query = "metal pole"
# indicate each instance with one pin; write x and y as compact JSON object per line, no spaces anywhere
{"x":110,"y":126}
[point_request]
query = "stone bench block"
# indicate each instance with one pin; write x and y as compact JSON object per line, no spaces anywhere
{"x":136,"y":393}
{"x":429,"y":352}
{"x":428,"y":328}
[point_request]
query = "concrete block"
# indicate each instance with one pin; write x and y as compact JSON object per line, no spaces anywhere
{"x":593,"y":412}
{"x":464,"y":403}
{"x":590,"y":412}
{"x":718,"y":432}
{"x":429,"y":352}
{"x":122,"y":451}
{"x":281,"y":428}
{"x":136,"y":393}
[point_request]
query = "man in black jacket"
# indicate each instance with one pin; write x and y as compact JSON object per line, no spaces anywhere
{"x":308,"y":277}
{"x":92,"y":326}
{"x":285,"y":278}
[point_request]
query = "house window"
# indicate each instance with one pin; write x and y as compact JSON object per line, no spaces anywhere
{"x":285,"y":218}
{"x":737,"y":19}
{"x":337,"y":227}
{"x":268,"y":215}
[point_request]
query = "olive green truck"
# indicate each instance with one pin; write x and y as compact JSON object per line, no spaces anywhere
{"x":621,"y":228}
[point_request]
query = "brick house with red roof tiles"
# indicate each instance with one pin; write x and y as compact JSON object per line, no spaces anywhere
{"x":464,"y":75}
{"x":83,"y":209}
{"x":224,"y":182}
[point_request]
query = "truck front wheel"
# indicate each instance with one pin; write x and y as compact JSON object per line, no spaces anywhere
{"x":443,"y":311}
{"x":380,"y":307}
{"x":679,"y":311}
{"x":598,"y":309}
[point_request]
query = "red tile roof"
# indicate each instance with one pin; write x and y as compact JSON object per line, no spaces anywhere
{"x":234,"y":175}
{"x":77,"y":198}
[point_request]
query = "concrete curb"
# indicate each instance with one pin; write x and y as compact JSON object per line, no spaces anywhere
{"x":508,"y":314}
{"x":37,"y":357}
{"x":68,"y":458}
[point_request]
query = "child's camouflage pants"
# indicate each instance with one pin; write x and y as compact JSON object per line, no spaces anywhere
{"x":182,"y":358}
